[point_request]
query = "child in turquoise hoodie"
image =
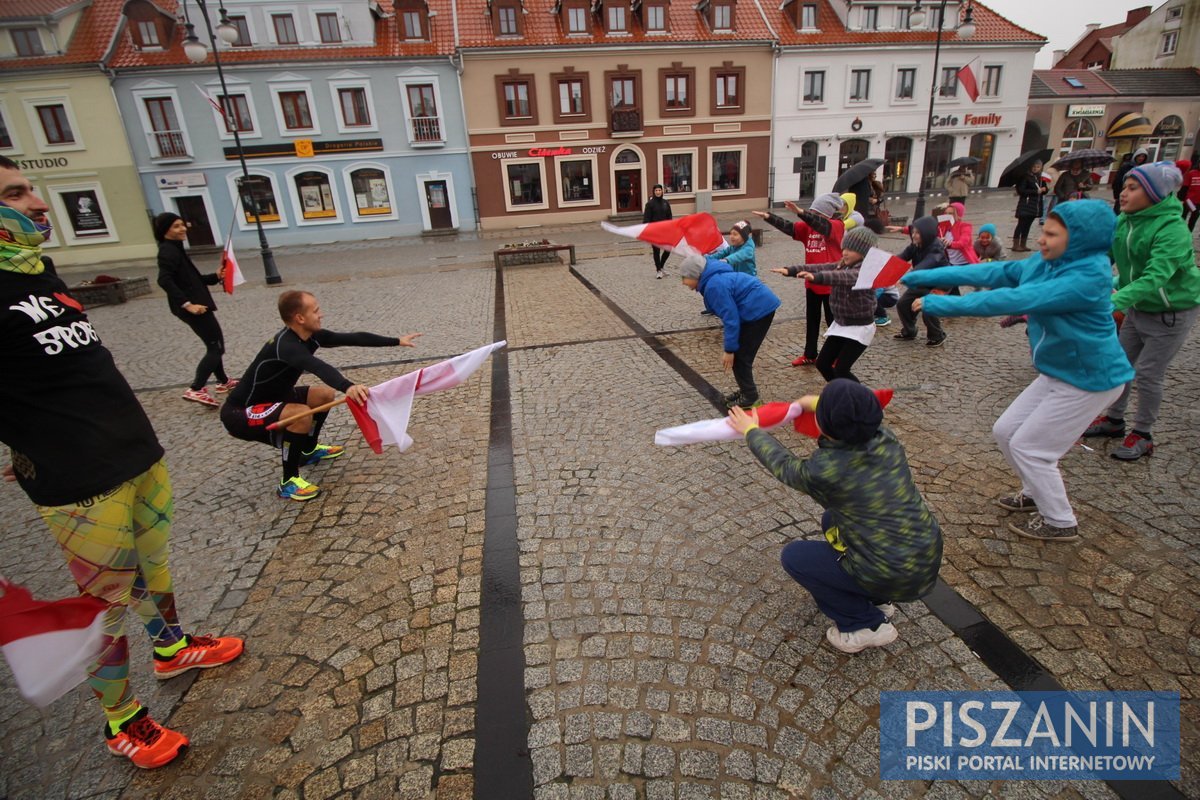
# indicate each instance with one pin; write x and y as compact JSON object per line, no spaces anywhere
{"x":739,"y":253}
{"x":1065,"y":292}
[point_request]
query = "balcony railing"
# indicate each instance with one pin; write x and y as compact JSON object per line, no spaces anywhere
{"x":626,"y":120}
{"x":169,"y":144}
{"x":426,"y":129}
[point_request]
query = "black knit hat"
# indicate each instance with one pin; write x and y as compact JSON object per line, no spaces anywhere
{"x":163,"y":223}
{"x":848,"y":411}
{"x":743,"y":229}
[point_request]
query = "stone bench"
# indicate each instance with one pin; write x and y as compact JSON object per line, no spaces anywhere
{"x":532,"y":250}
{"x":113,"y":293}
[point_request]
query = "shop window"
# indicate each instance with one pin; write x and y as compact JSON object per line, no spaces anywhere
{"x":1080,"y":134}
{"x":329,"y":28}
{"x":285,"y":29}
{"x":897,"y":153}
{"x":258,"y":199}
{"x":938,"y":152}
{"x":577,"y":180}
{"x":851,"y":152}
{"x":369,"y":187}
{"x":727,"y":170}
{"x":86,"y":215}
{"x":983,"y":146}
{"x":524,"y":184}
{"x":316,"y":195}
{"x":677,"y":173}
{"x":806,"y":167}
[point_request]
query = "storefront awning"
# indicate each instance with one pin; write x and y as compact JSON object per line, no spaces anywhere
{"x":1131,"y":123}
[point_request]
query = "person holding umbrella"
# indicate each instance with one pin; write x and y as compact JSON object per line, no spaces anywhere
{"x":1072,"y":184}
{"x":958,"y":184}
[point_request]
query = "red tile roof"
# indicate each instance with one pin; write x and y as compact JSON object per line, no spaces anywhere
{"x":387,"y":44}
{"x":543,"y":27}
{"x":89,"y":41}
{"x":1053,"y":82}
{"x":989,"y":27}
{"x":31,"y":9}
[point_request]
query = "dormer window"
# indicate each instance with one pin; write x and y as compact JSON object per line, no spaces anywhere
{"x":577,"y":19}
{"x":655,"y":16}
{"x":506,"y":19}
{"x":614,"y":17}
{"x":146,"y":34}
{"x":722,"y":16}
{"x":870,"y":18}
{"x":414,"y":20}
{"x":149,"y":26}
{"x":27,"y":41}
{"x":808,"y":16}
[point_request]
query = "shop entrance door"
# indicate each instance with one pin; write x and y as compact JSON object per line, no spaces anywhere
{"x":629,"y":191}
{"x":437,"y":200}
{"x":200,"y":232}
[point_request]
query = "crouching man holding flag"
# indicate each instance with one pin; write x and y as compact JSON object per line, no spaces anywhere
{"x":268,"y":390}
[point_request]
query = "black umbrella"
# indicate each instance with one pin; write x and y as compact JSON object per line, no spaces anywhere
{"x":964,"y":161}
{"x":858,"y":172}
{"x":1088,"y":159}
{"x":1021,"y":165}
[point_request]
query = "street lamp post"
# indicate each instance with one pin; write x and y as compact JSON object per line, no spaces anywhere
{"x":965,"y":31}
{"x":196,"y":52}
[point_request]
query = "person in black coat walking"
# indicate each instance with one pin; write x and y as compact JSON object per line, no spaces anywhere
{"x":657,"y":209}
{"x":1030,"y":189}
{"x":189,"y":299}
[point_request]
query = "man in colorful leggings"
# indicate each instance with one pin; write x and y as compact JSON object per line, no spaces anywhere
{"x":85,"y":453}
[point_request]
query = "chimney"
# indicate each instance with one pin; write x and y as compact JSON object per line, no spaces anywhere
{"x":1137,"y":15}
{"x":1058,"y":56}
{"x":1091,"y":26}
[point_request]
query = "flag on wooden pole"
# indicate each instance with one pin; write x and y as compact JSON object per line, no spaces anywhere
{"x":693,"y":234}
{"x":233,"y":272}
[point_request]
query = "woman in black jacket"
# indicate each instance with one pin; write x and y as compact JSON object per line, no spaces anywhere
{"x":189,"y":299}
{"x":1029,"y":205}
{"x":657,"y":209}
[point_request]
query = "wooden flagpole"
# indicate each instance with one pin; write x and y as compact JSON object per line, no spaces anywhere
{"x":308,"y":412}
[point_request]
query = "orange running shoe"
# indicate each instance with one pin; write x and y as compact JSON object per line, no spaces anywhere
{"x":146,"y":743}
{"x":202,"y":652}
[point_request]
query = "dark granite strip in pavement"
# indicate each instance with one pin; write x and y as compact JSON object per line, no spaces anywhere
{"x":502,"y":764}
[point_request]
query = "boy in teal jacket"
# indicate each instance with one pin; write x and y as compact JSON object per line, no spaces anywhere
{"x":739,"y":253}
{"x":1065,"y":291}
{"x":1158,"y":289}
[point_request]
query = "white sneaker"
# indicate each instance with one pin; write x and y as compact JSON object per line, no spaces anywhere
{"x":861,"y":639}
{"x":659,"y":275}
{"x":888,"y":609}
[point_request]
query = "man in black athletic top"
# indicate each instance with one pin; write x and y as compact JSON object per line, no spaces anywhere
{"x":268,"y":391}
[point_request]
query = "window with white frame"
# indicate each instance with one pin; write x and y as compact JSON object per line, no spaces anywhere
{"x":991,"y":80}
{"x":355,"y":106}
{"x":86,"y":213}
{"x":870,"y":18}
{"x":675,"y":91}
{"x":949,"y":83}
{"x":238,"y":114}
{"x":524,"y":184}
{"x":814,"y":87}
{"x":570,"y":97}
{"x":314,"y":191}
{"x":906,"y":83}
{"x":577,"y":21}
{"x":616,"y":18}
{"x":1170,"y":41}
{"x":167,"y":139}
{"x":27,"y":41}
{"x":329,"y":28}
{"x":147,"y":34}
{"x":53,"y":123}
{"x":808,"y":16}
{"x":576,"y":180}
{"x":412,"y":25}
{"x":656,"y":17}
{"x":728,"y":169}
{"x":259,"y":201}
{"x":860,"y":85}
{"x":1174,"y":13}
{"x":677,"y":169}
{"x":422,"y":107}
{"x":904,"y":18}
{"x":507,"y":16}
{"x":242,"y":25}
{"x":371,"y":192}
{"x":294,"y":109}
{"x":285,"y":29}
{"x":722,"y":17}
{"x":7,"y":141}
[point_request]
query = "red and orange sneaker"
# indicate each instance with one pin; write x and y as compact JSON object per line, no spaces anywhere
{"x":146,"y":743}
{"x":201,"y":652}
{"x":804,"y":361}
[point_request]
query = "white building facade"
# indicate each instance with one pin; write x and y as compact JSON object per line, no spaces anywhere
{"x":862,"y":90}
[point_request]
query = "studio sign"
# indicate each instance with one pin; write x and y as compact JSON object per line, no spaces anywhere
{"x":950,"y":120}
{"x":43,"y":163}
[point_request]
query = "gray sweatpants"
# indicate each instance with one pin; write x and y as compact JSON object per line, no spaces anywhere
{"x":1037,"y":429}
{"x":1150,"y":342}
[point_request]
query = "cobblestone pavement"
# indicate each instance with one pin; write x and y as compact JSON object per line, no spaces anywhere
{"x":667,"y":655}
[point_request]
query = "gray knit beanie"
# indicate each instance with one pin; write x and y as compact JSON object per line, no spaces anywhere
{"x":693,"y":266}
{"x":860,"y":240}
{"x":1160,"y":179}
{"x":830,"y":205}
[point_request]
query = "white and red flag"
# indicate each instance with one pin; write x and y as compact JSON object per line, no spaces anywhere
{"x":770,"y":415}
{"x":945,"y":223}
{"x":49,"y":645}
{"x":694,"y":234}
{"x":383,"y":419}
{"x":233,"y":272}
{"x":880,"y":269}
{"x":970,"y":84}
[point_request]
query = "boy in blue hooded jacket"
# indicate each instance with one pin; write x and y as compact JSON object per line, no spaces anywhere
{"x":1065,"y":292}
{"x":746,"y":308}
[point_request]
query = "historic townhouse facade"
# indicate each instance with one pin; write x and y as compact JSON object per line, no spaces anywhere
{"x":58,"y":121}
{"x":576,"y":109}
{"x":853,"y":81}
{"x":349,"y":117}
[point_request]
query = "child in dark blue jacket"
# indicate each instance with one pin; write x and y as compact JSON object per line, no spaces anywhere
{"x":746,"y":308}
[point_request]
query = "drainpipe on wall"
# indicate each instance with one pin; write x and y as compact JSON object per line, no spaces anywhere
{"x":456,"y":61}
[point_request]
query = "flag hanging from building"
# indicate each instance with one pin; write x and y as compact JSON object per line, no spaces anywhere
{"x":880,"y":269}
{"x":970,"y":84}
{"x":212,"y":101}
{"x":694,"y":234}
{"x":233,"y":272}
{"x":49,"y":645}
{"x":383,"y":419}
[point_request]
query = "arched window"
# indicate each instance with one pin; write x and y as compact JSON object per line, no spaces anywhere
{"x":1169,"y":134}
{"x":806,"y":166}
{"x":897,"y":153}
{"x":938,"y":152}
{"x":1079,"y":135}
{"x":852,"y":152}
{"x":370,"y":191}
{"x":628,"y":157}
{"x":315,"y":191}
{"x":983,"y":145}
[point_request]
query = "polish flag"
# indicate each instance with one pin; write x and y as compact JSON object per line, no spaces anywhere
{"x":49,"y":645}
{"x":212,"y":101}
{"x":383,"y":419}
{"x":233,"y":273}
{"x":694,"y":234}
{"x":880,"y":269}
{"x":945,"y":223}
{"x":966,"y":76}
{"x":770,"y":415}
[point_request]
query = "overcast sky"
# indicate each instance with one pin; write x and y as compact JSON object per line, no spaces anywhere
{"x":1062,"y":21}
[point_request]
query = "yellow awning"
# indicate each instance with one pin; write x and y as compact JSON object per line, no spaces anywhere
{"x":1131,"y":123}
